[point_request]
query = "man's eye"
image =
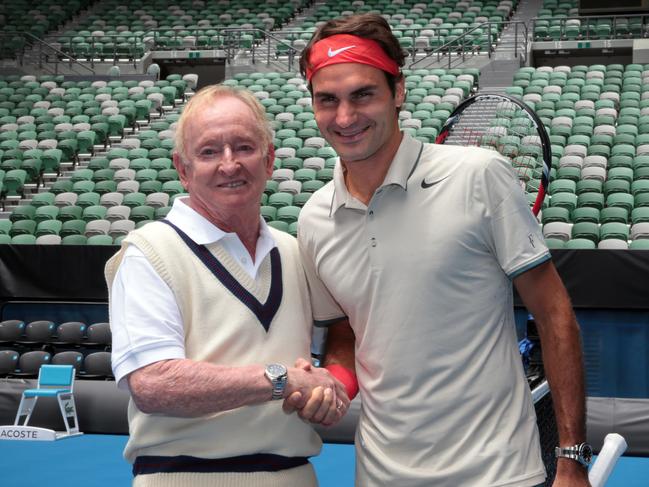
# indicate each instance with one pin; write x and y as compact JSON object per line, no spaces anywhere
{"x":327,"y":100}
{"x":208,"y":152}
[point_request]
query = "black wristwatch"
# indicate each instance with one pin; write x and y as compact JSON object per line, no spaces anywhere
{"x":582,"y":453}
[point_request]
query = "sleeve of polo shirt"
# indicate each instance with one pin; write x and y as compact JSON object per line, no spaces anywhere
{"x":516,"y":234}
{"x":326,"y":310}
{"x":146,"y":323}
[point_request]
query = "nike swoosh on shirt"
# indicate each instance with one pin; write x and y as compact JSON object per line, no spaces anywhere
{"x":426,"y":185}
{"x":333,"y":53}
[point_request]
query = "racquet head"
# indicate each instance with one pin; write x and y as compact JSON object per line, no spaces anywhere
{"x":510,"y":127}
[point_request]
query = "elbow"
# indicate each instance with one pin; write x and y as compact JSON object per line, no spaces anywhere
{"x":143,"y":393}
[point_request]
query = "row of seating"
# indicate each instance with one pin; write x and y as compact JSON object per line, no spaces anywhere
{"x":133,"y":181}
{"x":43,"y":131}
{"x":557,"y":21}
{"x":611,"y":235}
{"x":41,"y":332}
{"x":425,"y":26}
{"x":91,"y":366}
{"x":18,"y":16}
{"x":117,"y":29}
{"x":598,"y":120}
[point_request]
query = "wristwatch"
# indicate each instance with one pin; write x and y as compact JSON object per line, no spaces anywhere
{"x":277,"y":375}
{"x":582,"y":453}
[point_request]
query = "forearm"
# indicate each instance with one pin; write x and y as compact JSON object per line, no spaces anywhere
{"x":547,"y":299}
{"x":187,"y":388}
{"x":563,"y":362}
{"x":340,"y":345}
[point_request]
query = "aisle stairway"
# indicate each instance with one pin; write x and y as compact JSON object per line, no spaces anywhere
{"x":499,"y":73}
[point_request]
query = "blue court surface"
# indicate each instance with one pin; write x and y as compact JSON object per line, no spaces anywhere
{"x":96,"y":461}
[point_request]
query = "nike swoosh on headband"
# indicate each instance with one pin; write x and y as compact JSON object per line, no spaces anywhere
{"x":332,"y":53}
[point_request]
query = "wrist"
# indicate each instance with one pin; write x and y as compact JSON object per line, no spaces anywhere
{"x":347,"y":377}
{"x":570,"y":469}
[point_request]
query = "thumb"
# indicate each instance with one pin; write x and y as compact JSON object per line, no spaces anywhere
{"x":293,"y":402}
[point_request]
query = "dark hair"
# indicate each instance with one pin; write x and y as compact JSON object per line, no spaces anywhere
{"x":368,"y":26}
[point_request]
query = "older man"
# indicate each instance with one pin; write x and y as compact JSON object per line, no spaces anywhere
{"x":207,"y":308}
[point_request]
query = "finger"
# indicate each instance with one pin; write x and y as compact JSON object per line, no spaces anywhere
{"x":303,"y":364}
{"x":327,"y":405}
{"x":293,"y":402}
{"x":341,"y":392}
{"x":312,"y":404}
{"x":335,"y":415}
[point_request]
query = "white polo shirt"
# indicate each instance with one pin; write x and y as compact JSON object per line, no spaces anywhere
{"x":145,"y":320}
{"x":424,"y":275}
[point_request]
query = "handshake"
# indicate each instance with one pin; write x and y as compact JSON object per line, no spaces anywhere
{"x":316,"y":395}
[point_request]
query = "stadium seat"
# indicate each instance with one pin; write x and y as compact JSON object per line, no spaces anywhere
{"x":11,"y":331}
{"x":97,"y":365}
{"x":69,"y":357}
{"x":580,"y":244}
{"x":70,"y":333}
{"x":8,"y":362}
{"x":29,"y":363}
{"x":99,"y":335}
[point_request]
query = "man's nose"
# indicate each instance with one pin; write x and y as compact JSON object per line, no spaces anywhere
{"x":228,"y":165}
{"x":345,"y":114}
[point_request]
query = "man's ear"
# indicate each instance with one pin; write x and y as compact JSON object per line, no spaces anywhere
{"x":270,"y":162}
{"x":181,"y":167}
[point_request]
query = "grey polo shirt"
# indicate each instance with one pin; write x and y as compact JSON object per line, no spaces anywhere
{"x":424,"y":274}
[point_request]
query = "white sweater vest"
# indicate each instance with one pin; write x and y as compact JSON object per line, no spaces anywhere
{"x":221,"y":329}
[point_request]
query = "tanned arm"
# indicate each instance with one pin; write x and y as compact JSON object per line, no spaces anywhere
{"x":546,"y":298}
{"x":340,"y":345}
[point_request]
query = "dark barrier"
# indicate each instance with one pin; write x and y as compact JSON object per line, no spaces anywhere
{"x":595,"y":279}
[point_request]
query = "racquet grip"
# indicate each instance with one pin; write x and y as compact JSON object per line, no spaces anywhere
{"x":347,"y":377}
{"x":614,"y":446}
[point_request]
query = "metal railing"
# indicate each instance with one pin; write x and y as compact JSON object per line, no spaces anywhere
{"x":49,"y":57}
{"x":590,"y":27}
{"x":464,"y":44}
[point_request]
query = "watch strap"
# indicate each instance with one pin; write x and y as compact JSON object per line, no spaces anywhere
{"x":278,"y":388}
{"x":574,"y":452}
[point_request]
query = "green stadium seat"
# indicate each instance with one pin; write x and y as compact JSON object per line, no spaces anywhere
{"x":580,"y":244}
{"x":586,"y":230}
{"x":21,"y":227}
{"x":23,"y":212}
{"x":614,"y":230}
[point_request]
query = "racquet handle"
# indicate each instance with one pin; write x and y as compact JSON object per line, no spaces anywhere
{"x":614,"y":446}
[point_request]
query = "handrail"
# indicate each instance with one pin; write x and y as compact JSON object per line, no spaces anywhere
{"x":41,"y":43}
{"x":459,"y":41}
{"x":455,"y":41}
{"x":591,"y":29}
{"x":232,"y":37}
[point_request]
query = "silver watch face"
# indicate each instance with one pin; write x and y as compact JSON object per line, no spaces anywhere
{"x":586,"y":452}
{"x":275,"y":370}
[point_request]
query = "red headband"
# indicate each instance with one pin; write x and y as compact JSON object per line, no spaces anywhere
{"x":346,"y":48}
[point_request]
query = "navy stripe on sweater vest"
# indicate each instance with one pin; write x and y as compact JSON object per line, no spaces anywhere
{"x":264,"y":312}
{"x":259,"y":462}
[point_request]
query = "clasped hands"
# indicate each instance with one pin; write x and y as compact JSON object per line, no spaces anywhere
{"x":315,"y":394}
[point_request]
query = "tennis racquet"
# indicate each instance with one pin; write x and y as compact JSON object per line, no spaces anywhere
{"x":614,"y":446}
{"x":509,"y":126}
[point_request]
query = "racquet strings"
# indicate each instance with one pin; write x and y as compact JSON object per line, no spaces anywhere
{"x":499,"y":124}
